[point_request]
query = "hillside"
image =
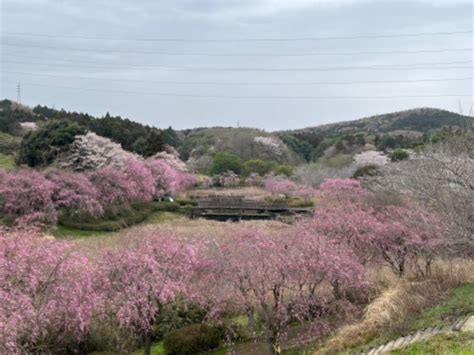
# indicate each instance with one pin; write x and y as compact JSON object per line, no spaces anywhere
{"x":201,"y":144}
{"x":403,"y":129}
{"x":198,"y":146}
{"x":420,"y":119}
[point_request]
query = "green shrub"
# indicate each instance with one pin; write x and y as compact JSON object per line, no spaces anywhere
{"x":186,"y":202}
{"x":166,"y":206}
{"x":192,"y":339}
{"x":261,"y":167}
{"x":224,"y":162}
{"x":399,"y":154}
{"x":175,"y":316}
{"x":112,"y":221}
{"x":283,"y":170}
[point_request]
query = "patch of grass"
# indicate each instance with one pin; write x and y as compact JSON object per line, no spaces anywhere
{"x":459,"y":303}
{"x":64,"y":232}
{"x":163,"y":217}
{"x":156,"y":349}
{"x":7,"y":161}
{"x":110,"y":221}
{"x":450,"y":343}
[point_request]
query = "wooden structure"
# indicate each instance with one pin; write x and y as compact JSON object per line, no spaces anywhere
{"x":237,"y":208}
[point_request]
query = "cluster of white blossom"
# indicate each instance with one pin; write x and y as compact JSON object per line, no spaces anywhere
{"x":370,"y":157}
{"x":271,"y":148}
{"x":32,"y":126}
{"x":91,"y":151}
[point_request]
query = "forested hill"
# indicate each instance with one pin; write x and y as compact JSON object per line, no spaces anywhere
{"x":420,"y":120}
{"x":133,"y":136}
{"x":403,"y":129}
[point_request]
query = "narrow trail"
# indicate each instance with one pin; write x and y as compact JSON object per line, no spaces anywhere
{"x":463,"y":324}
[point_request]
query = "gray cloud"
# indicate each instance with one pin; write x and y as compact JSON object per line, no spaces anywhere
{"x":218,"y":19}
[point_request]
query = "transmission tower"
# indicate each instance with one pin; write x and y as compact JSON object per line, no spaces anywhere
{"x":18,"y":93}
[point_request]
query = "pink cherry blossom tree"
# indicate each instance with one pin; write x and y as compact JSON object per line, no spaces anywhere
{"x":73,"y":192}
{"x":168,"y":180}
{"x":279,"y":185}
{"x":393,"y":234}
{"x":279,"y":273}
{"x":115,"y":190}
{"x":48,"y":293}
{"x":142,"y":184}
{"x":141,"y":280}
{"x":26,"y":196}
{"x":337,"y":191}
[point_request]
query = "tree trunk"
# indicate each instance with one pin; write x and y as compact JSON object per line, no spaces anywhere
{"x":251,"y":322}
{"x":147,"y":345}
{"x":275,"y":340}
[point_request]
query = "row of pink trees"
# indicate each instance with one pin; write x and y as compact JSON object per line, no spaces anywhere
{"x":279,"y":185}
{"x":279,"y":275}
{"x":50,"y":292}
{"x":390,"y":232}
{"x":27,"y":195}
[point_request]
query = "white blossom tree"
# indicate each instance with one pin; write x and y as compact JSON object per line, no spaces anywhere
{"x":91,"y":151}
{"x":441,"y":176}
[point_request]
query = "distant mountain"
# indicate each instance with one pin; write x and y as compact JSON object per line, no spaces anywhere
{"x":419,"y":119}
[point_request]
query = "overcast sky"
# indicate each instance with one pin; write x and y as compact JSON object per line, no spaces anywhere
{"x":263,"y":63}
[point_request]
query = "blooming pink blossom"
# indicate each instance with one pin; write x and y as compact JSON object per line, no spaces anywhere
{"x":114,"y":188}
{"x":153,"y":272}
{"x":142,"y":185}
{"x":47,"y":292}
{"x":74,"y":192}
{"x":26,"y":196}
{"x":279,"y":185}
{"x":168,"y":180}
{"x":279,"y":273}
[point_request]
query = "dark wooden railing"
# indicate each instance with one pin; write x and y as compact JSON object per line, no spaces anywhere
{"x":237,"y":208}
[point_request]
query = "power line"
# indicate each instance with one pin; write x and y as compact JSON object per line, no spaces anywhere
{"x":313,"y":83}
{"x":289,"y":39}
{"x":308,"y":54}
{"x":252,"y":97}
{"x":418,"y":66}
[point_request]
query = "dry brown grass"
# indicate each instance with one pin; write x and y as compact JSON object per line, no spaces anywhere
{"x":400,"y":302}
{"x":192,"y":228}
{"x":249,"y":192}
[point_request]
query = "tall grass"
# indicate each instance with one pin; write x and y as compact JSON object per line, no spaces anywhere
{"x":399,"y":302}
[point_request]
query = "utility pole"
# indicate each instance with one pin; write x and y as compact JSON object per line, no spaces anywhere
{"x":18,"y":93}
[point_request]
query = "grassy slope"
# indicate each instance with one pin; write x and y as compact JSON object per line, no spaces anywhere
{"x":460,"y":302}
{"x":7,"y":161}
{"x":451,"y":343}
